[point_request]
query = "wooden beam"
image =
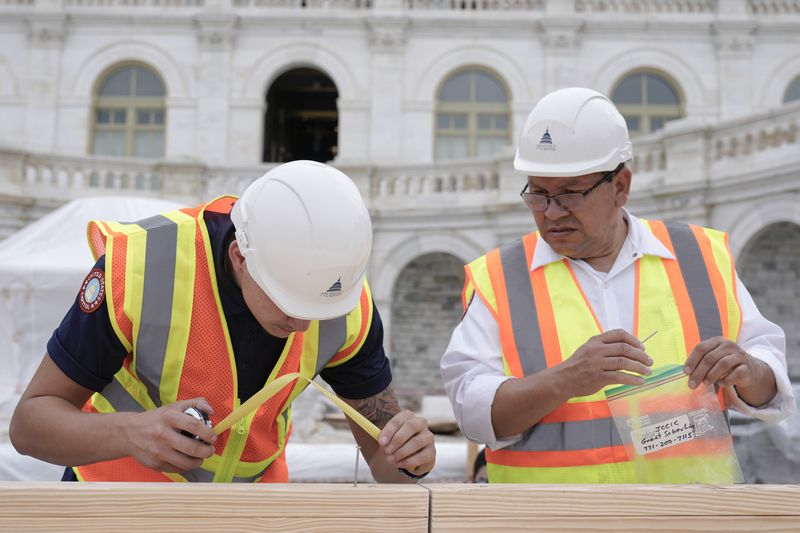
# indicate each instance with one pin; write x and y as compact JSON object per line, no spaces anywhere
{"x":155,"y":507}
{"x":468,"y":508}
{"x":457,"y":508}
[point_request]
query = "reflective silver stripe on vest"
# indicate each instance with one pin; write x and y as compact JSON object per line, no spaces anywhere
{"x":522,"y":306}
{"x":698,"y":283}
{"x":569,"y":436}
{"x":198,"y":475}
{"x":332,"y":334}
{"x":120,"y":399}
{"x":159,"y":285}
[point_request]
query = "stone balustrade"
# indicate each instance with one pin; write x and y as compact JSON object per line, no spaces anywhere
{"x":475,"y":5}
{"x":646,"y":6}
{"x":681,"y":157}
{"x":774,"y":7}
{"x":755,"y":8}
{"x":135,"y":3}
{"x":74,"y":176}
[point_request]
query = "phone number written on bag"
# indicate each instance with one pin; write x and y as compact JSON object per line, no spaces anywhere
{"x":667,"y":433}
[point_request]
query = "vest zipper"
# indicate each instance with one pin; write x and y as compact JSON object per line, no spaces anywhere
{"x":234,"y":448}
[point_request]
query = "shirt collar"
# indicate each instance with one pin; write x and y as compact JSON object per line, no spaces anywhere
{"x":639,"y":239}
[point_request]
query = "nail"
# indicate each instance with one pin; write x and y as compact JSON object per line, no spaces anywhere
{"x":687,"y":370}
{"x":692,"y":384}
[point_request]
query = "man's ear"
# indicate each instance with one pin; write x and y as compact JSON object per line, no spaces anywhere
{"x":622,"y":186}
{"x":236,"y":257}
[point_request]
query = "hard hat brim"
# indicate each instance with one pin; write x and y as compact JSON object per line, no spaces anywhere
{"x":294,"y":308}
{"x":562,"y":170}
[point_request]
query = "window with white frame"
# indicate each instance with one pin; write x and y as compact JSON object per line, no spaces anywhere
{"x":647,"y":100}
{"x":129,"y":113}
{"x":472,"y":115}
{"x":792,"y":91}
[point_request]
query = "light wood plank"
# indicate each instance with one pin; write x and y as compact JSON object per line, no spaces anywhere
{"x":676,"y":524}
{"x":191,"y":524}
{"x":212,"y":500}
{"x":464,"y":500}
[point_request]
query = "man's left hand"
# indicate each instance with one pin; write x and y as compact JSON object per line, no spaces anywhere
{"x":408,"y":443}
{"x":719,"y":360}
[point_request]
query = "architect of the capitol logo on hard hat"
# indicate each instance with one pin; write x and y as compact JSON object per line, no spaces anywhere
{"x":334,"y":290}
{"x":546,"y":143}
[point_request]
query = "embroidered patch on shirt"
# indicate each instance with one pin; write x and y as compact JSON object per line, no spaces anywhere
{"x":93,"y":291}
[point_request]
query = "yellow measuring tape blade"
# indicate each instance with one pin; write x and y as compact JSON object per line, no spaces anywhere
{"x":276,"y":386}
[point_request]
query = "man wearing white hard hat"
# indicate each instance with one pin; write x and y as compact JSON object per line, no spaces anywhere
{"x":557,"y":316}
{"x":195,"y":311}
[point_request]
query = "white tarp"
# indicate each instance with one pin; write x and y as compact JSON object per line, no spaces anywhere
{"x":41,"y":268}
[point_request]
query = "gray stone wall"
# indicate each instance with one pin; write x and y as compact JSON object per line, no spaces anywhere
{"x":426,"y":307}
{"x":770,"y":268}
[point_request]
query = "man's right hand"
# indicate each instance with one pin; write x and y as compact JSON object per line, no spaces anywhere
{"x":601,"y":360}
{"x":155,"y":439}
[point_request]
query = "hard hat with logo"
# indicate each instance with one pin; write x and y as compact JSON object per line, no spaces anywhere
{"x":572,"y":132}
{"x":306,"y":237}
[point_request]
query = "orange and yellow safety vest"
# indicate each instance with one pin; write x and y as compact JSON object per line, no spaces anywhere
{"x":543,"y":317}
{"x":165,"y":308}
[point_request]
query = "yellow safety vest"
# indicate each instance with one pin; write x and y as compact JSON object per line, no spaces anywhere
{"x":543,"y":318}
{"x":164,"y":305}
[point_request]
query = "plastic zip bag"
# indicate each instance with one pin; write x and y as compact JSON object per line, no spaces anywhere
{"x":674,"y":434}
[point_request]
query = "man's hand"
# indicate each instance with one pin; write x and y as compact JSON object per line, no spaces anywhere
{"x":519,"y":404}
{"x":408,"y":443}
{"x":155,"y":439}
{"x":720,"y":360}
{"x":404,"y":441}
{"x":600,"y":361}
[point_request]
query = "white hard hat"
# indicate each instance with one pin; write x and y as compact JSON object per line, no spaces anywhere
{"x":306,"y":237}
{"x":572,"y":132}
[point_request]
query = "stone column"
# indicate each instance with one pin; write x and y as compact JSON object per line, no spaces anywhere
{"x":46,"y":31}
{"x":387,"y":35}
{"x":734,"y":35}
{"x":561,"y":39}
{"x":216,"y":33}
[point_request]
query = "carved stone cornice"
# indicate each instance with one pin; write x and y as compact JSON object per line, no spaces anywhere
{"x":388,"y":34}
{"x":216,"y":32}
{"x":47,"y":30}
{"x":734,"y":39}
{"x":561,"y":34}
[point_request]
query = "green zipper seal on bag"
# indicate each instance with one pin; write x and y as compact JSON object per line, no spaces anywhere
{"x":660,"y":376}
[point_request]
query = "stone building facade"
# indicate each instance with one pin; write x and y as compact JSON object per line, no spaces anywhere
{"x":428,"y":98}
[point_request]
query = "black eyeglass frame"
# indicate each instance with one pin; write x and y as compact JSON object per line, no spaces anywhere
{"x":554,"y":197}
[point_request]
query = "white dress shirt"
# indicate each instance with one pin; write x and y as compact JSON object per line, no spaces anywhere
{"x":472,"y":367}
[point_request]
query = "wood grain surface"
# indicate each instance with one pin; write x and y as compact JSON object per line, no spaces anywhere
{"x":456,"y":508}
{"x":157,"y":507}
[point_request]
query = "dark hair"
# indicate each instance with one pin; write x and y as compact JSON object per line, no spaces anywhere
{"x":480,"y":460}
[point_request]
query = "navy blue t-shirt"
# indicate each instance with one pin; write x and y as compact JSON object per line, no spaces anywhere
{"x":87,"y":350}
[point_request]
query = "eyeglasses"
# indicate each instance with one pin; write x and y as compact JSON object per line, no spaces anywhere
{"x":568,"y":200}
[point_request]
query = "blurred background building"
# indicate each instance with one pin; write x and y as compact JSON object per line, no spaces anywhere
{"x":420,"y":102}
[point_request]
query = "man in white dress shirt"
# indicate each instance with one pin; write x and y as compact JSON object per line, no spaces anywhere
{"x":557,"y":316}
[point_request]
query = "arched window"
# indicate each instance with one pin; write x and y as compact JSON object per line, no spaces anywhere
{"x":792,"y":91}
{"x":302,"y":118}
{"x":129,"y":113}
{"x":472,"y":115}
{"x":647,"y":100}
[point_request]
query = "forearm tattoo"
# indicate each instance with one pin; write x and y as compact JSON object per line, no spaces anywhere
{"x":379,"y":409}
